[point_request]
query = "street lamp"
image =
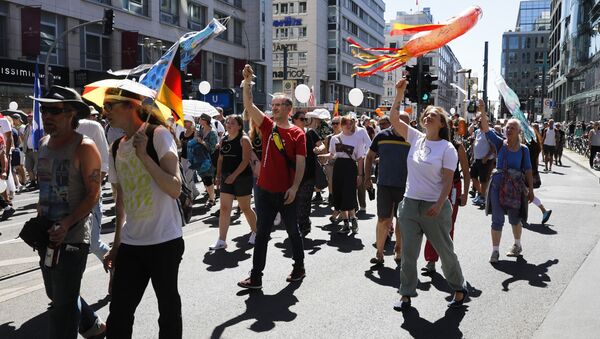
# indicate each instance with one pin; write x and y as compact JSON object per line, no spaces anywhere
{"x":468,"y":71}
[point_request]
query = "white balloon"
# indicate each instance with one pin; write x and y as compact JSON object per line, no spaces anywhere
{"x":302,"y":93}
{"x":204,"y":87}
{"x":452,"y":110}
{"x":13,"y":106}
{"x":356,"y":97}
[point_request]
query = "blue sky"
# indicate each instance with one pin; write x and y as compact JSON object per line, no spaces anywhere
{"x":498,"y":17}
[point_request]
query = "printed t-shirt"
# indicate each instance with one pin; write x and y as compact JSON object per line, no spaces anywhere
{"x":342,"y":146}
{"x":393,"y":152}
{"x":275,"y":174}
{"x":426,"y":160}
{"x":152,"y":215}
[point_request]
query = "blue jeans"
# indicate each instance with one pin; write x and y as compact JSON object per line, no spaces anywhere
{"x":498,"y":212}
{"x":70,"y":313}
{"x":267,"y":205}
{"x":97,"y":247}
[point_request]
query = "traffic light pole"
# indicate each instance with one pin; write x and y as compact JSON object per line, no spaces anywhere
{"x":419,"y":87}
{"x":55,"y":43}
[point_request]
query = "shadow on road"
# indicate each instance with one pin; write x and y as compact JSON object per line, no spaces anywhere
{"x":535,"y":275}
{"x":445,"y":327}
{"x":345,"y":243}
{"x":384,"y":276}
{"x":36,"y":327}
{"x":540,"y":228}
{"x":222,"y":259}
{"x":265,"y":310}
{"x":311,"y":246}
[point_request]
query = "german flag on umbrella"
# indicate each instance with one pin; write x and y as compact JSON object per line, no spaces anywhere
{"x":169,"y":93}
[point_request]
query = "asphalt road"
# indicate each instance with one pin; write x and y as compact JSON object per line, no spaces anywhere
{"x":343,"y":296}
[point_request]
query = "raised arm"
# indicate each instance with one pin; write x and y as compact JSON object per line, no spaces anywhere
{"x":400,"y":127}
{"x":484,"y":123}
{"x":253,"y":112}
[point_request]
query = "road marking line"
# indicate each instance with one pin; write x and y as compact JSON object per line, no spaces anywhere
{"x":573,"y":202}
{"x":18,"y":261}
{"x":7,"y":294}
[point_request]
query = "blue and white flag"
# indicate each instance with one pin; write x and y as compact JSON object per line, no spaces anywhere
{"x":38,"y":127}
{"x":190,"y":44}
{"x":512,"y":102}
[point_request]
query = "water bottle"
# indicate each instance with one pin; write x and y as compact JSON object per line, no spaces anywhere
{"x":52,"y":252}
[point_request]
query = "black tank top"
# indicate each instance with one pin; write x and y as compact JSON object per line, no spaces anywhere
{"x":257,"y":145}
{"x":184,"y":141}
{"x":232,"y":151}
{"x":457,"y":170}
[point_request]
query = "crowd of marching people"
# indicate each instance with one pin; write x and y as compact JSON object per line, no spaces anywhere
{"x":274,"y":166}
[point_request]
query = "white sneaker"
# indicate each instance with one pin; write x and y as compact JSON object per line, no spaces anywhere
{"x":277,"y":221}
{"x":252,"y":238}
{"x":219,"y":245}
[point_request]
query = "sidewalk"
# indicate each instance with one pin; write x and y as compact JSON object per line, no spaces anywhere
{"x":575,"y":313}
{"x":580,"y":161}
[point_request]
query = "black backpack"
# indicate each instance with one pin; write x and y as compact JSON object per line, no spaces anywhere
{"x":185,"y":200}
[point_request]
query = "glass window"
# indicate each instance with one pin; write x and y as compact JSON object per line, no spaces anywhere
{"x":51,"y":26}
{"x":220,"y":78}
{"x":197,"y":16}
{"x":169,"y":12}
{"x":135,"y":6}
{"x":223,"y":36}
{"x":302,"y":58}
{"x":302,"y":7}
{"x":275,"y":9}
{"x":283,"y":8}
{"x":291,"y":8}
{"x":95,"y":53}
{"x":513,"y":42}
{"x":238,"y":27}
{"x":3,"y":30}
{"x":302,"y":32}
{"x":150,"y":49}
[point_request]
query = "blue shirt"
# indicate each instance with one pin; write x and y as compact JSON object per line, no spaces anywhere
{"x":514,"y":158}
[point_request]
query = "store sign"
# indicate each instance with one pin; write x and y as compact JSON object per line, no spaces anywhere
{"x":287,"y":21}
{"x":280,"y":47}
{"x":21,"y":72}
{"x":291,"y":74}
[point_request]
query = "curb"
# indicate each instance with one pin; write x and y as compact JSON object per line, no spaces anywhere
{"x":567,"y":154}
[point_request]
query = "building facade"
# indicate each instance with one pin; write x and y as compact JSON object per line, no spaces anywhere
{"x":575,"y":73}
{"x":441,"y":62}
{"x":313,"y":33}
{"x":525,"y":60}
{"x":143,"y":31}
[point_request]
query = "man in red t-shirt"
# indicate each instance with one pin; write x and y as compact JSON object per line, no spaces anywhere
{"x":282,"y":168}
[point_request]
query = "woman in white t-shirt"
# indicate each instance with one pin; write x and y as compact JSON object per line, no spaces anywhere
{"x":425,"y":209}
{"x":349,"y":151}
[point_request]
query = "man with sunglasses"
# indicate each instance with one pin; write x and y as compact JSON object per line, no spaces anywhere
{"x":284,"y":152}
{"x":69,"y":182}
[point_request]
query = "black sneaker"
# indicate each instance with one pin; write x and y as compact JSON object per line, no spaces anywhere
{"x":251,"y":283}
{"x":298,"y":273}
{"x":8,"y":213}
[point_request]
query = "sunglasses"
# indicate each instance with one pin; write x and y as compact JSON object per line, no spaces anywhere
{"x":335,"y":123}
{"x":52,"y":110}
{"x":302,"y":119}
{"x":108,"y":106}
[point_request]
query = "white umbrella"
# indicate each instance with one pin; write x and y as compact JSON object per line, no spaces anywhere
{"x":196,"y":108}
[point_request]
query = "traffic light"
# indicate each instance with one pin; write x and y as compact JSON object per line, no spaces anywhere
{"x":412,"y":75}
{"x":108,"y":21}
{"x":427,"y":87}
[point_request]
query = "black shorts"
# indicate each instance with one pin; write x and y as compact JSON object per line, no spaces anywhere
{"x":481,"y":171}
{"x":549,"y":150}
{"x":15,"y":159}
{"x":207,"y":181}
{"x":241,"y":187}
{"x":388,"y":199}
